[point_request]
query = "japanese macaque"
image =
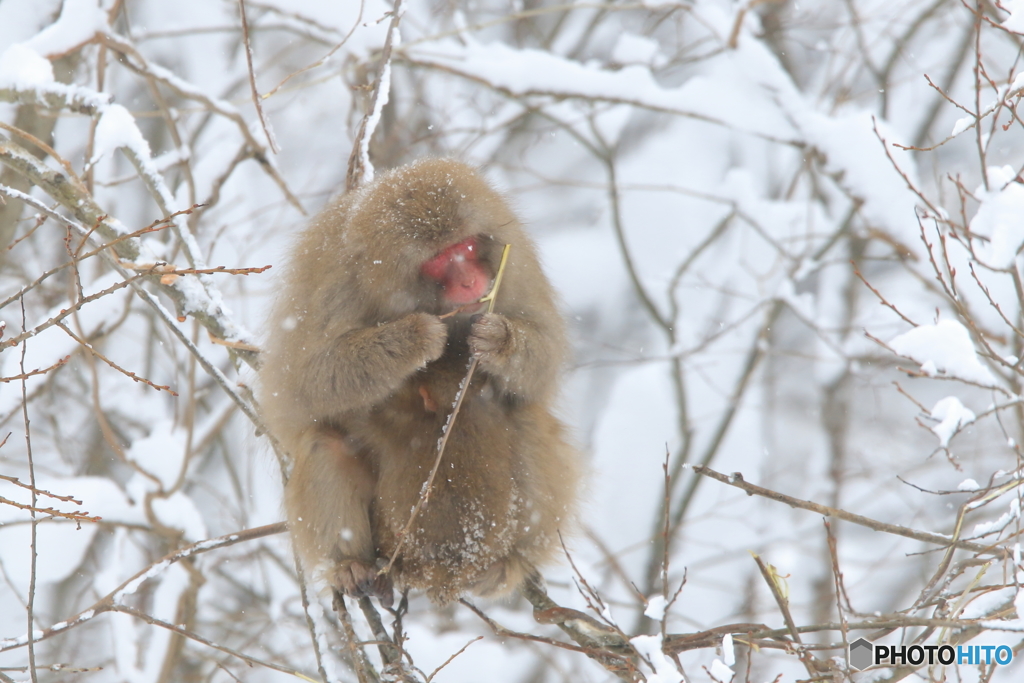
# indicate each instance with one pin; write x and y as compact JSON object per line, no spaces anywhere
{"x":369,"y":340}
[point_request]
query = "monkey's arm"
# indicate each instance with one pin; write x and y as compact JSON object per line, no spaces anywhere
{"x":364,"y":366}
{"x":522,"y":354}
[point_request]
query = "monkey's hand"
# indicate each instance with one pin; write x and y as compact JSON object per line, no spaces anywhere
{"x":516,"y":353}
{"x":489,"y":338}
{"x":494,"y":340}
{"x":421,"y":335}
{"x":361,"y":580}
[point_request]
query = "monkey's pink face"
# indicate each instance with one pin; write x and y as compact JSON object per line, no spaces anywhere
{"x":459,"y":271}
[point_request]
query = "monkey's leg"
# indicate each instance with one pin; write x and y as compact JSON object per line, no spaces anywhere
{"x":328,"y":501}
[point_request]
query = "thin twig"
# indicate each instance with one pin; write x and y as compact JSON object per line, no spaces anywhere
{"x":256,"y":99}
{"x":34,"y":526}
{"x":107,"y":602}
{"x":123,"y":609}
{"x":358,"y":657}
{"x":322,"y":60}
{"x":41,"y":492}
{"x":390,"y":653}
{"x":452,"y":658}
{"x":38,"y":371}
{"x":491,"y":299}
{"x":52,"y":512}
{"x":774,"y":581}
{"x":736,"y":479}
{"x":128,"y":373}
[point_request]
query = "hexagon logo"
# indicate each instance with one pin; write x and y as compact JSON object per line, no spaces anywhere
{"x":861,"y":654}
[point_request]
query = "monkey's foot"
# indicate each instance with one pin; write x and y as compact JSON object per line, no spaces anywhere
{"x":361,"y":580}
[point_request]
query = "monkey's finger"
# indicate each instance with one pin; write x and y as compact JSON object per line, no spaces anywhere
{"x":372,"y":585}
{"x":384,"y":592}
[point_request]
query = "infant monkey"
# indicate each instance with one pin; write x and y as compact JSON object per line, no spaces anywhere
{"x":360,"y":373}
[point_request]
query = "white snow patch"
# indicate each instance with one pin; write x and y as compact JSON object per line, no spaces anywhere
{"x":998,"y":218}
{"x":135,"y":583}
{"x":986,"y":603}
{"x":633,"y":49}
{"x":728,"y":651}
{"x":665,"y":671}
{"x":23,"y":67}
{"x":803,"y":304}
{"x":175,"y":509}
{"x":985,"y":528}
{"x":943,"y":349}
{"x":162,"y":453}
{"x":628,"y":443}
{"x":1010,"y":624}
{"x":961,"y":125}
{"x":1014,"y":22}
{"x":612,"y":121}
{"x":20,"y":20}
{"x":585,"y":283}
{"x":1018,"y":83}
{"x":61,"y":544}
{"x":179,"y":512}
{"x":968,"y":485}
{"x":198,"y":299}
{"x":536,"y":72}
{"x":952,"y":415}
{"x":720,"y":671}
{"x":79,"y":21}
{"x":656,"y":605}
{"x":852,"y":148}
{"x":61,"y":548}
{"x":117,"y":128}
{"x":52,"y":344}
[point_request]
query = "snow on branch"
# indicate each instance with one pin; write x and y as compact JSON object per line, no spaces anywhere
{"x":944,"y":349}
{"x":190,"y":295}
{"x":360,"y":168}
{"x":137,"y":62}
{"x":27,"y":78}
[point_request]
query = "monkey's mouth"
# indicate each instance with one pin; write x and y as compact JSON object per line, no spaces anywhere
{"x":467,"y":289}
{"x":472,"y":308}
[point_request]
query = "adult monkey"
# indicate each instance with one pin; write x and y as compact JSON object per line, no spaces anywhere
{"x":368,"y":343}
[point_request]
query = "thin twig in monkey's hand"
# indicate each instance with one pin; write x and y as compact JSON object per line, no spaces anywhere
{"x":490,"y":298}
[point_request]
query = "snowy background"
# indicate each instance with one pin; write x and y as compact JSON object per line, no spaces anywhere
{"x":786,"y":236}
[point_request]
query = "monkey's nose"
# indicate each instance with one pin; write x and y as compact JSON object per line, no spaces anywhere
{"x":464,"y":282}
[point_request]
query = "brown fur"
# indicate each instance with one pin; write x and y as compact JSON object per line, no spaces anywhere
{"x":359,"y":375}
